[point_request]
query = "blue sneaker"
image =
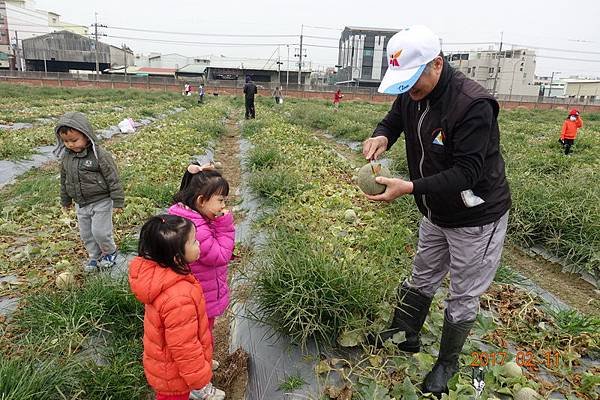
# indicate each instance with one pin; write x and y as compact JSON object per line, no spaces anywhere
{"x":108,"y":261}
{"x":91,"y":266}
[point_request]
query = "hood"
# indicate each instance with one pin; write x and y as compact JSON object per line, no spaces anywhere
{"x":147,"y":279}
{"x":75,"y":120}
{"x":185,"y":212}
{"x":573,"y":112}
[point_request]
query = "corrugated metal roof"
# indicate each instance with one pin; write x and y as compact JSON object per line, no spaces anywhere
{"x":364,"y":28}
{"x":192,"y":69}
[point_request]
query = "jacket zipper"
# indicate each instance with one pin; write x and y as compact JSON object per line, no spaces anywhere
{"x":423,"y":197}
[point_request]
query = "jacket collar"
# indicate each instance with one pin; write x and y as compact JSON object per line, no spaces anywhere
{"x":442,"y":85}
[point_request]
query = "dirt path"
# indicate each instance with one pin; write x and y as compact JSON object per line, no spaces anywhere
{"x":572,"y":290}
{"x":232,"y":375}
{"x":569,"y":288}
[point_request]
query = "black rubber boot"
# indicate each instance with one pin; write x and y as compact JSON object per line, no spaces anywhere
{"x":409,"y":316}
{"x":454,"y":336}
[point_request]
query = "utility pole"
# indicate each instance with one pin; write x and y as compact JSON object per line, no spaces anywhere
{"x":278,"y":66}
{"x":287,"y":73}
{"x":125,"y":59}
{"x":497,"y":65}
{"x":18,"y":53}
{"x":300,"y":63}
{"x":96,"y":44}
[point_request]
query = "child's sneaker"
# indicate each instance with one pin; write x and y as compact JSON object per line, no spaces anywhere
{"x":215,"y":365}
{"x":91,"y":266}
{"x":208,"y":392}
{"x":108,"y":261}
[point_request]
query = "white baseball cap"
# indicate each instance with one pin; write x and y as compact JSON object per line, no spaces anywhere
{"x":408,"y":52}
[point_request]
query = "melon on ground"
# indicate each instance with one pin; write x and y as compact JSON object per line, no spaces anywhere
{"x":367,"y":175}
{"x":350,"y":215}
{"x":526,"y":393}
{"x":65,"y":280}
{"x":512,"y":370}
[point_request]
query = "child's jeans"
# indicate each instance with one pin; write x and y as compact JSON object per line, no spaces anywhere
{"x":96,"y":228}
{"x":160,"y":396}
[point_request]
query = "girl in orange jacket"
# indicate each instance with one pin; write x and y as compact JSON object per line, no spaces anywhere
{"x":177,"y":342}
{"x":569,"y":130}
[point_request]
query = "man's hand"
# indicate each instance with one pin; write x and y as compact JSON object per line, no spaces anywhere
{"x":395,"y":187}
{"x":374,"y":147}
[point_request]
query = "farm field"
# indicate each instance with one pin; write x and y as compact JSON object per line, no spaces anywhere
{"x":318,"y":276}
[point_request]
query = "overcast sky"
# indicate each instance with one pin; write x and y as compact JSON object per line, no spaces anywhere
{"x":550,"y":24}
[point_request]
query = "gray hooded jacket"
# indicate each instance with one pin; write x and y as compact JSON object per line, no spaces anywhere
{"x":90,"y":175}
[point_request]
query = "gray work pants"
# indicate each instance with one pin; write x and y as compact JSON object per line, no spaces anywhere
{"x":96,"y":228}
{"x":471,"y":255}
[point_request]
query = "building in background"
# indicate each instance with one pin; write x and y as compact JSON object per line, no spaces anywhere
{"x":362,"y":58}
{"x":21,"y":19}
{"x":171,"y":60}
{"x":583,"y":89}
{"x":550,"y":86}
{"x":513,"y":70}
{"x":64,"y":51}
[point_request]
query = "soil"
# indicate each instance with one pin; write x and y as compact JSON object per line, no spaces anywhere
{"x":232,"y":375}
{"x":570,"y":288}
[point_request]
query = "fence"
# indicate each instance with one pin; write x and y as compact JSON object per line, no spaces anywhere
{"x":173,"y":84}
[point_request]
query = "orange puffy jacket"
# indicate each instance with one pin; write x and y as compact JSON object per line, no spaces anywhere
{"x":569,"y":129}
{"x":177,"y":342}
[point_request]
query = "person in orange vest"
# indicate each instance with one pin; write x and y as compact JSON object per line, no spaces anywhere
{"x":569,"y":130}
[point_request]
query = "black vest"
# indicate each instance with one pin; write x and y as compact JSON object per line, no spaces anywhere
{"x":442,"y":112}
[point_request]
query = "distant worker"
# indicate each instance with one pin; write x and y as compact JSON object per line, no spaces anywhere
{"x":337,"y":97}
{"x":277,"y":95}
{"x":249,"y":91}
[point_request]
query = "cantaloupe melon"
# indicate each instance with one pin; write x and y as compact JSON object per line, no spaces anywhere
{"x":65,"y":280}
{"x":527,"y":394}
{"x":512,"y":370}
{"x":350,"y":215}
{"x":367,"y":175}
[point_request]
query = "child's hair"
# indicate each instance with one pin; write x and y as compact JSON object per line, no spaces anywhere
{"x":63,"y":130}
{"x":205,"y":183}
{"x":163,"y":238}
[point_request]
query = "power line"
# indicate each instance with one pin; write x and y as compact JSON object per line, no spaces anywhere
{"x":199,"y":43}
{"x":555,"y":49}
{"x":199,"y":34}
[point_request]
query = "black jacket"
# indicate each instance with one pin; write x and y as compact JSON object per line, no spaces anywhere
{"x":453,"y":151}
{"x":250,"y":90}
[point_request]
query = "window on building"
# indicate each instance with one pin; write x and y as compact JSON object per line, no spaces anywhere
{"x":469,"y":70}
{"x":491,"y":70}
{"x":524,"y":75}
{"x":478,"y":56}
{"x":521,"y":69}
{"x":499,"y":69}
{"x":368,"y":52}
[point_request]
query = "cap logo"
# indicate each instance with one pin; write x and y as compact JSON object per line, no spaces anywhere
{"x":394,"y":58}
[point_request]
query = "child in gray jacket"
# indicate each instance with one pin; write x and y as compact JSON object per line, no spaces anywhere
{"x":89,"y":178}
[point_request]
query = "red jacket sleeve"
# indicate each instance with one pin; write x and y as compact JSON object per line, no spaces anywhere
{"x":564,"y":130}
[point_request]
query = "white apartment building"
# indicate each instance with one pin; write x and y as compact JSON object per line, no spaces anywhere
{"x":515,"y":71}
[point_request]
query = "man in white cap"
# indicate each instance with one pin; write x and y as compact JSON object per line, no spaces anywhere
{"x":457,"y":179}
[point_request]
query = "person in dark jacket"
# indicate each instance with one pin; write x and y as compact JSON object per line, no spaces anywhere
{"x":458,"y":181}
{"x":249,"y":91}
{"x":89,"y":178}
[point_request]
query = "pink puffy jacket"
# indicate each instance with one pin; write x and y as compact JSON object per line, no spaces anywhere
{"x":217,"y":240}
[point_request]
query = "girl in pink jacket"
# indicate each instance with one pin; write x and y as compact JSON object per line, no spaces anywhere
{"x":201,"y":199}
